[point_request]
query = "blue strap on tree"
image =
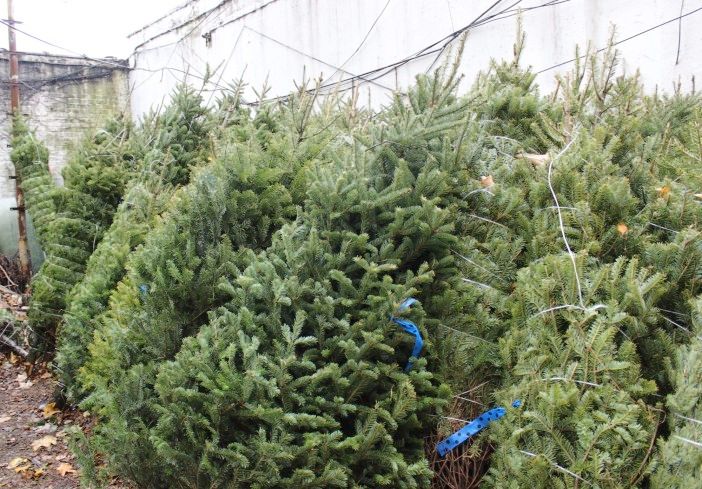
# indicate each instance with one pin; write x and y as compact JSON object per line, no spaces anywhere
{"x":411,"y":328}
{"x":472,"y":428}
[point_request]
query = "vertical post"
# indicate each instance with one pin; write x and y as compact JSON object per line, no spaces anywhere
{"x":22,"y":246}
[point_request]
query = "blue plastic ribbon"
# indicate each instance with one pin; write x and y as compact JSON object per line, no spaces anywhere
{"x":144,"y":289}
{"x":472,"y":428}
{"x":407,"y":303}
{"x":410,"y":328}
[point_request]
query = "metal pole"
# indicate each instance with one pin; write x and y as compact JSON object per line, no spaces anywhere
{"x":22,"y":246}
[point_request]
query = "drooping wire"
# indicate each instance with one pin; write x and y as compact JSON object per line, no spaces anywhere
{"x":646,"y":31}
{"x":363,"y":41}
{"x":302,"y":53}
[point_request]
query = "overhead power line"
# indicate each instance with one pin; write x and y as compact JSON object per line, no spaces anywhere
{"x":48,"y":43}
{"x":436,"y":48}
{"x":106,"y":61}
{"x":646,"y":31}
{"x":301,"y":53}
{"x":363,"y":41}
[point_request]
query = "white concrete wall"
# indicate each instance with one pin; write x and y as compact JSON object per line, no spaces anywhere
{"x":280,"y":40}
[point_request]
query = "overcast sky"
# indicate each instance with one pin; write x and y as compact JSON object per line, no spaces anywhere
{"x":91,"y":27}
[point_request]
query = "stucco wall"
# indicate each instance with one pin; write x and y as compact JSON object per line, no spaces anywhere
{"x":63,"y":99}
{"x":279,"y":40}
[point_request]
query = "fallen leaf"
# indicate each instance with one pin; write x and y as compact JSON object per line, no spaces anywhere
{"x":622,"y":228}
{"x":65,"y":468}
{"x":23,"y":382}
{"x":44,"y":442}
{"x":536,"y":160}
{"x":45,"y":375}
{"x":5,"y":419}
{"x":21,"y":466}
{"x":50,"y":410}
{"x":487,"y":181}
{"x":663,"y":191}
{"x":61,"y":457}
{"x":46,"y":428}
{"x":17,"y":462}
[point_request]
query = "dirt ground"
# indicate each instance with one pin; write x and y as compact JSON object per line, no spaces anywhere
{"x":33,"y":450}
{"x":33,"y":431}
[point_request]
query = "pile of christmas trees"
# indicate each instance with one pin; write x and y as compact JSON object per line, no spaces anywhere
{"x":225,"y":286}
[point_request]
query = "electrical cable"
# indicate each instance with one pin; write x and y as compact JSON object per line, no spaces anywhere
{"x":426,"y":51}
{"x":515,"y":12}
{"x":301,"y":53}
{"x":103,"y":61}
{"x":201,"y":18}
{"x":448,"y":6}
{"x":456,"y":34}
{"x":363,"y":41}
{"x":446,"y":40}
{"x":226,"y":63}
{"x":230,"y":21}
{"x":677,"y":56}
{"x":165,"y":16}
{"x":419,"y":54}
{"x":372,"y":75}
{"x":83,"y":56}
{"x":646,"y":31}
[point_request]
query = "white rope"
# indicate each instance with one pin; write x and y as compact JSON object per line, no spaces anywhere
{"x":487,"y":220}
{"x":466,"y":334}
{"x":477,"y":284}
{"x":687,"y":440}
{"x":573,"y":380}
{"x":688,"y":419}
{"x":560,"y":217}
{"x":478,"y":265}
{"x":662,"y":227}
{"x":569,"y":208}
{"x":470,"y":400}
{"x":681,"y":327}
{"x":479,"y":190}
{"x":562,"y":469}
{"x":570,"y":306}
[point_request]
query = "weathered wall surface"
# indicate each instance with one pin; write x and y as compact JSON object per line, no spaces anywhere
{"x":63,"y":99}
{"x":279,"y":40}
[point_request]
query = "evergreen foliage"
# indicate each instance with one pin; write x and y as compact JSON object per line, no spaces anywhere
{"x":232,"y":205}
{"x":178,"y":139}
{"x":679,"y":460}
{"x":310,"y":314}
{"x":94,"y":180}
{"x":238,"y":200}
{"x":583,"y":337}
{"x":31,"y":161}
{"x":233,"y":328}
